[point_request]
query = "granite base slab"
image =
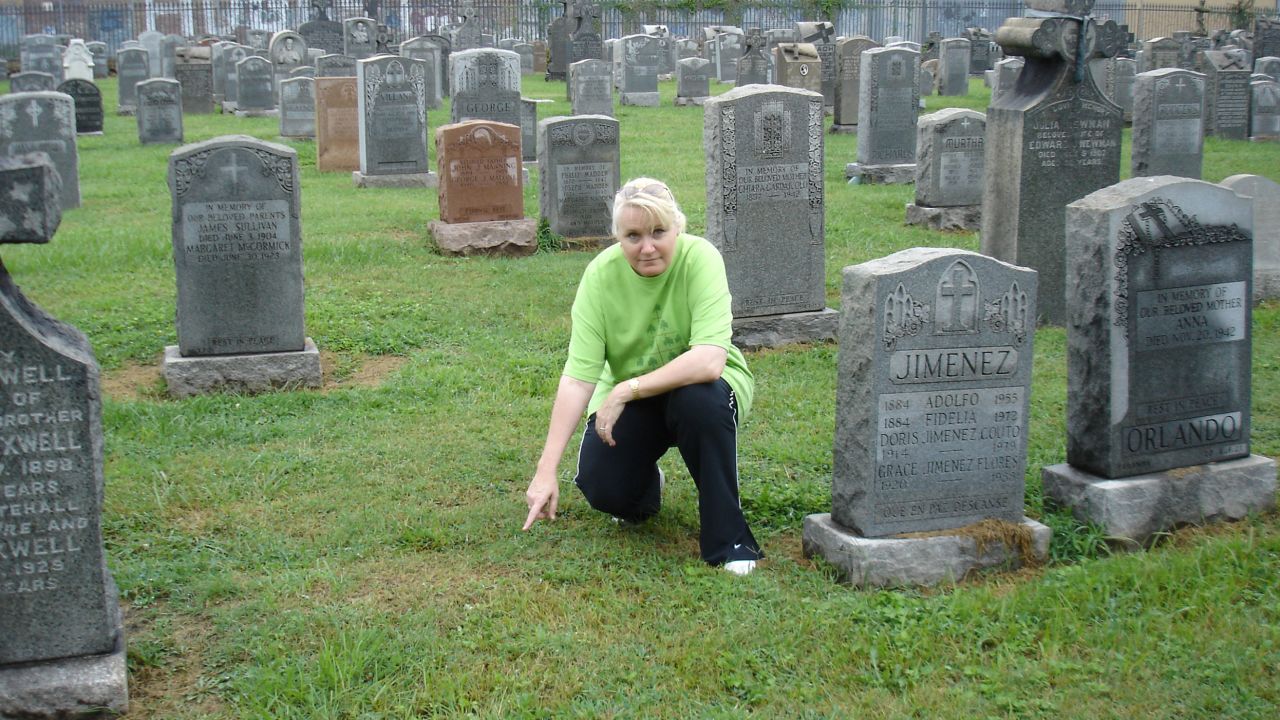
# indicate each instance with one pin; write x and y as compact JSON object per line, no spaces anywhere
{"x":1130,"y":510}
{"x":257,"y":113}
{"x":964,"y":217}
{"x":645,"y":99}
{"x":916,"y":561}
{"x":690,"y":101}
{"x":766,"y":331}
{"x":85,"y":686}
{"x":843,"y":129}
{"x":404,"y":180}
{"x":249,"y":373}
{"x":503,"y":238}
{"x":881,"y":174}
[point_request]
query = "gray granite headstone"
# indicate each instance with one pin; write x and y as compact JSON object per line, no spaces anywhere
{"x":486,"y":86}
{"x":360,"y":36}
{"x":298,"y":107}
{"x":429,"y":52}
{"x":728,"y":55}
{"x":100,"y":53}
{"x":43,"y":122}
{"x":525,"y":51}
{"x":640,"y":61}
{"x":822,"y":35}
{"x":237,"y":247}
{"x":981,"y":49}
{"x":159,"y":111}
{"x":579,"y":169}
{"x":1115,"y":78}
{"x":1226,"y":94}
{"x":764,"y":147}
{"x":953,"y":66}
{"x":797,"y":65}
{"x":591,"y":85}
{"x":1264,"y":110}
{"x":88,"y":100}
{"x":336,"y":65}
{"x":1266,"y":35}
{"x":44,"y":58}
{"x":392,"y":106}
{"x":132,"y":67}
{"x":693,"y":79}
{"x":887,"y":107}
{"x":1267,"y":66}
{"x":950,"y":160}
{"x":231,"y":82}
{"x":32,"y":81}
{"x":323,"y":33}
{"x":196,"y":79}
{"x":218,"y":58}
{"x":1168,"y":123}
{"x":151,"y":41}
{"x":529,"y":130}
{"x":254,"y":92}
{"x":557,"y":49}
{"x":1264,"y":196}
{"x":1161,"y":52}
{"x":288,"y":50}
{"x":755,"y":66}
{"x":1006,"y":76}
{"x":257,"y":38}
{"x":933,"y":391}
{"x":848,"y":58}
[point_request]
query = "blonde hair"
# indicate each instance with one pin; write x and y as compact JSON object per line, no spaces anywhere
{"x":655,"y":199}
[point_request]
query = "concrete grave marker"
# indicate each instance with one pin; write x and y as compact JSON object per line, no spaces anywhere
{"x":337,"y":125}
{"x":336,"y":65}
{"x":949,"y":168}
{"x":822,"y":35}
{"x":798,"y":65}
{"x":77,"y":62}
{"x":99,"y":51}
{"x":755,"y":66}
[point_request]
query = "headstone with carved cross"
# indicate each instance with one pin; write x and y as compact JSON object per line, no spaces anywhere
{"x":890,"y":95}
{"x":486,"y":86}
{"x":159,"y":112}
{"x":237,"y":249}
{"x":1051,"y":140}
{"x":1159,"y":359}
{"x":63,"y":653}
{"x":44,"y":122}
{"x":558,"y":44}
{"x":932,"y":394}
{"x":1168,"y":123}
{"x":1226,"y":93}
{"x":950,"y":161}
{"x":755,"y":66}
{"x":392,"y":116}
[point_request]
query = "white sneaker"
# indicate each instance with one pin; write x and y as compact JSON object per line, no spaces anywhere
{"x":740,"y":567}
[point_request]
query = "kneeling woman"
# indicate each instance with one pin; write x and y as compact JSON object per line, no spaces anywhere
{"x":651,"y":359}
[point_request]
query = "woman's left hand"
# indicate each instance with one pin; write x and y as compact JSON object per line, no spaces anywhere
{"x":608,"y":414}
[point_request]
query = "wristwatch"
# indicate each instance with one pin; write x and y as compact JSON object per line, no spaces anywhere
{"x":634,"y":384}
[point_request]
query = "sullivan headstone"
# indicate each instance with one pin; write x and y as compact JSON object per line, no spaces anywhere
{"x":392,"y":114}
{"x":579,"y":170}
{"x":43,"y":122}
{"x":887,"y":117}
{"x":949,"y":167}
{"x":1168,"y":123}
{"x":1159,"y":360}
{"x":337,"y":125}
{"x":764,"y":147}
{"x":237,"y":249}
{"x":88,"y":100}
{"x":1264,"y":196}
{"x":481,"y":191}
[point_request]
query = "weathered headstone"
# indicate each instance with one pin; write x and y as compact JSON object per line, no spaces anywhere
{"x":932,"y":395}
{"x":848,"y":58}
{"x":288,"y":51}
{"x":579,"y":169}
{"x":639,"y":71}
{"x":728,"y":55}
{"x":255,"y":96}
{"x":132,"y":67}
{"x":1267,"y":66}
{"x":953,"y":66}
{"x":45,"y":57}
{"x":32,"y":81}
{"x":797,"y":65}
{"x":584,"y":41}
{"x":36,"y":122}
{"x":218,"y":58}
{"x":1052,"y":140}
{"x":1266,"y":35}
{"x":754,"y":67}
{"x":486,"y":86}
{"x":257,"y":38}
{"x":887,"y":117}
{"x":1168,"y":123}
{"x":1006,"y":76}
{"x":558,"y":46}
{"x":591,"y":83}
{"x":337,"y":125}
{"x":154,"y":43}
{"x":237,"y":249}
{"x":428,"y":51}
{"x":360,"y":35}
{"x":323,"y":33}
{"x":77,"y":62}
{"x":1226,"y":94}
{"x":1115,"y":77}
{"x":88,"y":100}
{"x":1264,"y":196}
{"x":481,"y":191}
{"x":1159,"y":360}
{"x":822,"y":35}
{"x":159,"y":111}
{"x":231,"y":84}
{"x":1161,"y":52}
{"x":63,"y":653}
{"x":99,"y":51}
{"x":764,"y":147}
{"x":982,"y":49}
{"x":393,"y":123}
{"x":298,"y":107}
{"x":336,"y":65}
{"x":539,"y":56}
{"x":1264,"y":110}
{"x":529,"y":132}
{"x":693,"y":81}
{"x":196,"y":79}
{"x":950,"y":162}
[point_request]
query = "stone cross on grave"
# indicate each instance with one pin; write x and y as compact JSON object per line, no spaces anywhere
{"x":953,"y":295}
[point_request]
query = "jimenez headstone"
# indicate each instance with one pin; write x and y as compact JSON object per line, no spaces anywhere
{"x":1168,"y":123}
{"x":88,"y":100}
{"x":579,"y":169}
{"x":337,"y":125}
{"x":43,"y":122}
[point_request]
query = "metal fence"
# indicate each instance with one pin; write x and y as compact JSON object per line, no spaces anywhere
{"x":114,"y":21}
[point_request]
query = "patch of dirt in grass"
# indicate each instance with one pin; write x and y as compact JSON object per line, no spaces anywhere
{"x":131,"y":382}
{"x":135,"y":381}
{"x":174,"y":688}
{"x":370,"y":370}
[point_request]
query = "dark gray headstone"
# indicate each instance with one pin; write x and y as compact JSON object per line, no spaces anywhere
{"x":1264,"y":110}
{"x":1226,"y":94}
{"x":1168,"y":123}
{"x":933,"y":390}
{"x":44,"y":122}
{"x":336,"y":65}
{"x":298,"y":107}
{"x":159,"y":111}
{"x":1158,"y":344}
{"x":254,"y":90}
{"x":848,"y":60}
{"x":196,"y":79}
{"x":764,"y":148}
{"x":887,"y":107}
{"x":1266,"y":36}
{"x":427,"y":51}
{"x":486,"y":86}
{"x":693,"y":78}
{"x":237,"y":247}
{"x":132,"y":67}
{"x":392,"y":106}
{"x":755,"y":66}
{"x":88,"y":100}
{"x":728,"y":54}
{"x":640,"y":62}
{"x":950,"y":158}
{"x":32,"y":81}
{"x":100,"y":55}
{"x":953,"y":66}
{"x":43,"y":58}
{"x":557,"y":47}
{"x":324,"y":34}
{"x":231,"y":83}
{"x":578,"y":166}
{"x":591,"y":85}
{"x":1006,"y":76}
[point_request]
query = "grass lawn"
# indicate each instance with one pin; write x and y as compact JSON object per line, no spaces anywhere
{"x":356,"y":552}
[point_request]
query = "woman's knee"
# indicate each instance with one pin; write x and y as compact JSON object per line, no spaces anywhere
{"x":709,"y":405}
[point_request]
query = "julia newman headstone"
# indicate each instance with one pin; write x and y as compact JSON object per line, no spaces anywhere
{"x":1052,"y":140}
{"x":1168,"y":123}
{"x":932,"y":394}
{"x":237,"y":249}
{"x":481,"y":191}
{"x":392,"y":113}
{"x":44,"y":122}
{"x":890,"y":96}
{"x":950,"y":163}
{"x":764,"y":146}
{"x":1159,"y":360}
{"x":63,"y":653}
{"x":579,"y":168}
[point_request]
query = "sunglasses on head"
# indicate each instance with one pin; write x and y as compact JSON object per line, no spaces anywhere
{"x":656,"y":190}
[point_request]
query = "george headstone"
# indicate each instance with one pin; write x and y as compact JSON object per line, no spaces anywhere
{"x":132,"y":67}
{"x":693,"y":81}
{"x":392,"y":111}
{"x":1168,"y":123}
{"x":88,"y":101}
{"x":486,"y":86}
{"x":1264,"y":110}
{"x":1226,"y":94}
{"x":1050,"y":141}
{"x":578,"y":164}
{"x":255,"y":96}
{"x":1159,"y":360}
{"x":887,"y":117}
{"x":1006,"y":76}
{"x":591,"y":82}
{"x":765,"y":211}
{"x":237,"y":250}
{"x":640,"y":60}
{"x":43,"y":122}
{"x":337,"y":125}
{"x":481,"y":192}
{"x":950,"y":160}
{"x":848,"y":58}
{"x":797,"y":65}
{"x":288,"y":51}
{"x":64,"y":649}
{"x":822,"y":35}
{"x":100,"y":52}
{"x":336,"y":65}
{"x":298,"y":107}
{"x":953,"y":66}
{"x":196,"y":79}
{"x":159,"y":111}
{"x":1264,"y":196}
{"x":932,"y":395}
{"x":77,"y":62}
{"x":32,"y":81}
{"x":360,"y":35}
{"x":754,"y":67}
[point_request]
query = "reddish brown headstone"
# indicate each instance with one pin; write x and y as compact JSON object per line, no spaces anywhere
{"x":337,"y":125}
{"x":480,"y":172}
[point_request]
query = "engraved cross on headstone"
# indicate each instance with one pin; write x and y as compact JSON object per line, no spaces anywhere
{"x":1155,"y":214}
{"x":233,"y":169}
{"x":954,"y":292}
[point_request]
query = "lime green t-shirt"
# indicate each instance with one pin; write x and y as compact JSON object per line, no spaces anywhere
{"x":625,"y":325}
